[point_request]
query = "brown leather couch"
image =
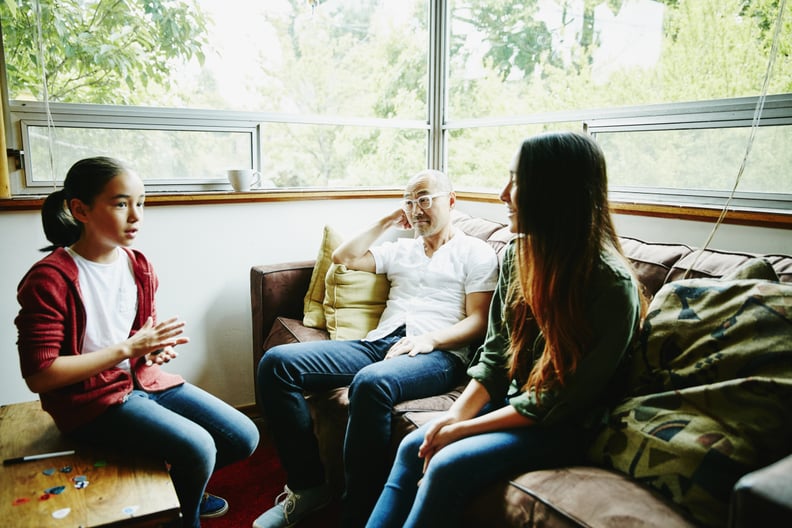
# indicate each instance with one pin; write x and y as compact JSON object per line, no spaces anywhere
{"x":582,"y":496}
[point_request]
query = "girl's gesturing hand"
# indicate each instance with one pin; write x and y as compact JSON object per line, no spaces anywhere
{"x":158,"y":340}
{"x":163,"y":355}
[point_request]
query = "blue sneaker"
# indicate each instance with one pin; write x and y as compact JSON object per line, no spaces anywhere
{"x":291,"y":507}
{"x":213,"y":506}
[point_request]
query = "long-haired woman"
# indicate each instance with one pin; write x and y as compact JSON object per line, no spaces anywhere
{"x":563,"y":316}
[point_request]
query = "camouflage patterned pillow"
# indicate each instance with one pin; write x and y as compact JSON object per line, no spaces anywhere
{"x":709,"y":392}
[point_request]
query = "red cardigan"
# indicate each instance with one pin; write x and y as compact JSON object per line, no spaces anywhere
{"x":51,"y":323}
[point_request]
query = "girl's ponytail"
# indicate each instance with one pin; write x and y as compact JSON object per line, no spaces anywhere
{"x":60,"y":227}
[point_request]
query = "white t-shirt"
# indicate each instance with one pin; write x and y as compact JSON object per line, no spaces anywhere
{"x":109,"y":294}
{"x":429,"y":293}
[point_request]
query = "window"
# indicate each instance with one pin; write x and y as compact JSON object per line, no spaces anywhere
{"x":192,"y":152}
{"x":334,"y":96}
{"x":701,"y":153}
{"x":668,"y":89}
{"x":363,"y":93}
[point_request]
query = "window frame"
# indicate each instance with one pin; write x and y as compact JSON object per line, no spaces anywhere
{"x":710,"y":114}
{"x":736,"y":112}
{"x":704,"y":115}
{"x":69,"y":115}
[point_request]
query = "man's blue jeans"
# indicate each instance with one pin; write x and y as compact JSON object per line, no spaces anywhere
{"x":375,"y":386}
{"x":195,"y":432}
{"x":462,"y":469}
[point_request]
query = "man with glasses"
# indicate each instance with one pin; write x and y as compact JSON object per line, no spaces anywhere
{"x":441,"y":285}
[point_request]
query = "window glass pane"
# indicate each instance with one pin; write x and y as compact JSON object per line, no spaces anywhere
{"x":297,"y":155}
{"x":486,"y":167}
{"x":706,"y":159}
{"x":551,"y":55}
{"x":158,"y":156}
{"x":364,"y":58}
{"x":339,"y":88}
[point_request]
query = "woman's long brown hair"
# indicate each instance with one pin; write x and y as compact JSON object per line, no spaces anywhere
{"x":565,"y":222}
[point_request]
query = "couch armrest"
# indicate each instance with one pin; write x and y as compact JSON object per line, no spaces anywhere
{"x":763,"y":497}
{"x":276,"y":290}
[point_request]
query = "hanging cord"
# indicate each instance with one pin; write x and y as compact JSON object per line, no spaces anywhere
{"x":754,"y":127}
{"x":50,"y":121}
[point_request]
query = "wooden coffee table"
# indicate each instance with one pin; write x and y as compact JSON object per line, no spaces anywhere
{"x":122,"y":489}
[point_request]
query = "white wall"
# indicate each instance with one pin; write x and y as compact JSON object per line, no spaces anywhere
{"x":203,"y":254}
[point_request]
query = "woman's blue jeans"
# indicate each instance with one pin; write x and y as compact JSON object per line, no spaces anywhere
{"x":286,"y":372}
{"x":462,"y":469}
{"x":195,"y":432}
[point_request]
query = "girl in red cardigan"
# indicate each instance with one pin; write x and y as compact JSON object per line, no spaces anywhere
{"x":91,"y":346}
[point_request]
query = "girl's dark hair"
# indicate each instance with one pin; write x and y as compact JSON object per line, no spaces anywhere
{"x":85,"y":181}
{"x":563,"y":211}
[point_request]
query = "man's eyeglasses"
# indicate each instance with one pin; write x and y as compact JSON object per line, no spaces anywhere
{"x":424,"y":202}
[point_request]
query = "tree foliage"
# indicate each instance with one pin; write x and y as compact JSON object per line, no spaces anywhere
{"x":97,"y":51}
{"x":356,"y":59}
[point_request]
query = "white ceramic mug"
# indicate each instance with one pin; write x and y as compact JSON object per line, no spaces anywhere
{"x":244,"y":179}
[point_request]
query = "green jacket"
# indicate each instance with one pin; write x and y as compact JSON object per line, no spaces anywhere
{"x":613,"y":312}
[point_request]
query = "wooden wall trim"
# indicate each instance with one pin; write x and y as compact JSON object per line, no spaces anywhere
{"x":780,"y":220}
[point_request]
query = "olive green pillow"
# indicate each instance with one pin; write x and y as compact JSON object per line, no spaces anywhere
{"x":353,"y":302}
{"x":754,"y":268}
{"x":313,"y":310}
{"x":708,"y":397}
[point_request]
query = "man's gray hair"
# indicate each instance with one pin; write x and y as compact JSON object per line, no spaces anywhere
{"x":442,"y":181}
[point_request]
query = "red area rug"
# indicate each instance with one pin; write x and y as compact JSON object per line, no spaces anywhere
{"x":250,"y":487}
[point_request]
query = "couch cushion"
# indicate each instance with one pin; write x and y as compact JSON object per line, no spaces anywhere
{"x":710,"y":263}
{"x":285,"y":330}
{"x":313,"y":310}
{"x":754,"y":268}
{"x":652,"y":261}
{"x":496,"y":234}
{"x":353,"y":302}
{"x":709,"y":392}
{"x":410,"y":415}
{"x":475,"y":225}
{"x":573,"y":497}
{"x":782,"y":264}
{"x":763,"y":497}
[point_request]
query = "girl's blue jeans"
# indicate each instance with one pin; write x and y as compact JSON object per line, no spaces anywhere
{"x":286,"y":372}
{"x":462,"y":469}
{"x":195,"y":432}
